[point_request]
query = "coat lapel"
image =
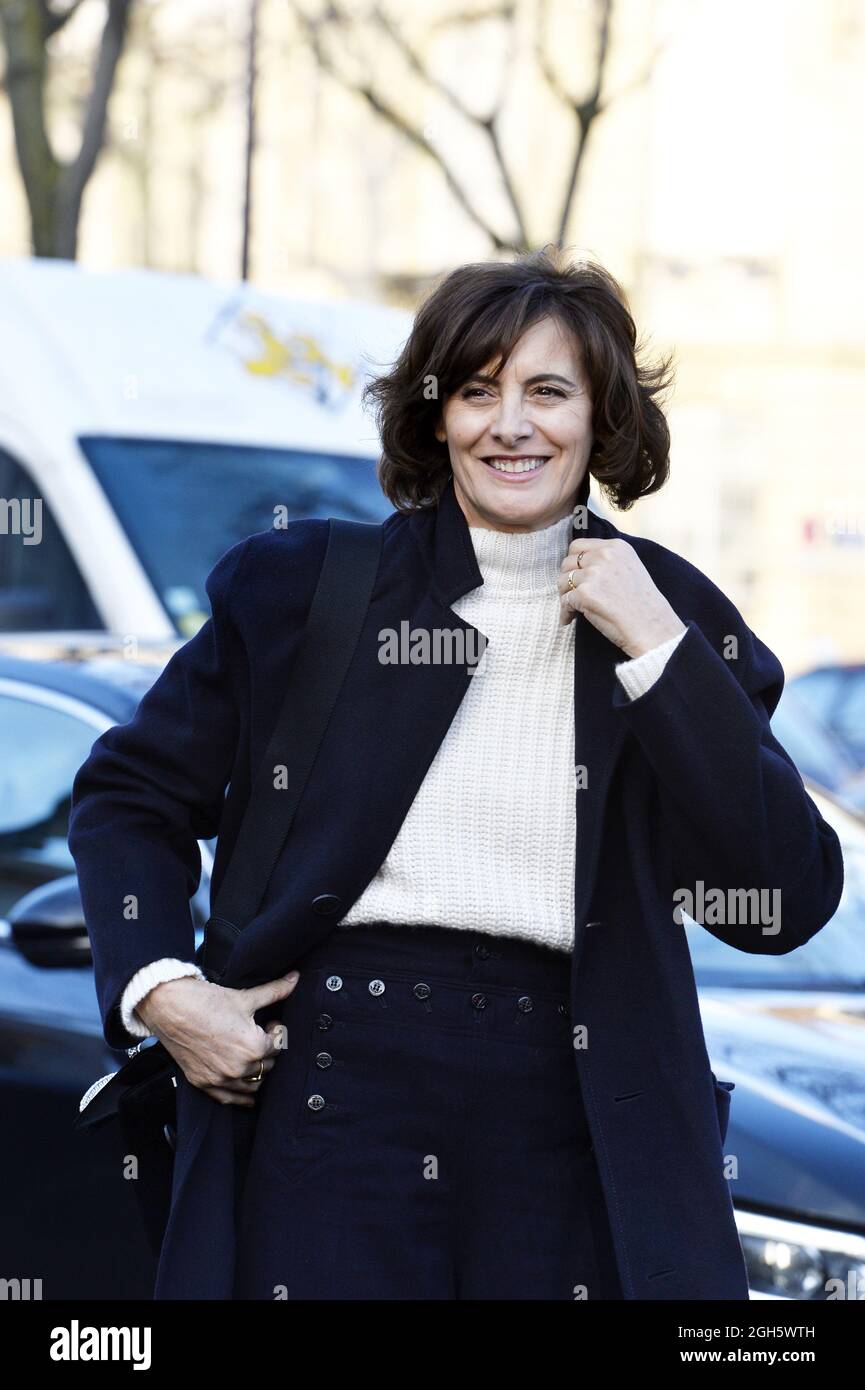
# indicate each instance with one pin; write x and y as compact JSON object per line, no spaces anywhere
{"x":599,"y":734}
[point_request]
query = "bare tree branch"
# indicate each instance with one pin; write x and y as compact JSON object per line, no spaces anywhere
{"x":389,"y":113}
{"x":75,"y":175}
{"x":461,"y":18}
{"x":420,"y":141}
{"x":507,"y":183}
{"x":53,"y":20}
{"x":487,"y":123}
{"x":586,"y":110}
{"x":25,"y":82}
{"x":54,"y":190}
{"x":401,"y":42}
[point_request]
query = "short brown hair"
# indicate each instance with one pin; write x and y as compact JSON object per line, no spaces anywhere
{"x":477,"y":313}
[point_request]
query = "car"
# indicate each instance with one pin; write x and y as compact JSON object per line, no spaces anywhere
{"x":784,"y":1032}
{"x":815,"y":749}
{"x":818,"y":752}
{"x":67,"y":1218}
{"x":788,"y":1033}
{"x":835,"y":695}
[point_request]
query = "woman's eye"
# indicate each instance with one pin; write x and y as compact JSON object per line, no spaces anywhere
{"x":473,"y":391}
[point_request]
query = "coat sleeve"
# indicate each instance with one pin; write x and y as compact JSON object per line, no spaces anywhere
{"x":734,"y":808}
{"x":148,"y":791}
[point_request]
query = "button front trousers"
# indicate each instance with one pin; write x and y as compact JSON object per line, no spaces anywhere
{"x":422,"y":1134}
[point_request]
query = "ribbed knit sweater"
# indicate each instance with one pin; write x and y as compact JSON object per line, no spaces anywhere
{"x":489,"y":842}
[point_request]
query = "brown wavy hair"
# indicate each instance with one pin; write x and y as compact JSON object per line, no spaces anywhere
{"x":476,"y":314}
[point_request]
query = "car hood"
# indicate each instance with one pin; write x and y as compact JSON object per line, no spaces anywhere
{"x":797,"y":1121}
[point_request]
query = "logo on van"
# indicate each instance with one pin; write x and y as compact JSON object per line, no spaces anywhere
{"x":298,"y":356}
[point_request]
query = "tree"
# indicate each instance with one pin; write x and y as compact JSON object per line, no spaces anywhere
{"x":55,"y":188}
{"x":338,"y":40}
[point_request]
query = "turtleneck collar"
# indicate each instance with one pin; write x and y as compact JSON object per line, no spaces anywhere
{"x":522,"y":562}
{"x":442,"y":536}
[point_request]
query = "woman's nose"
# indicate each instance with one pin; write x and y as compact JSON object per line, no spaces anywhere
{"x":510,"y":424}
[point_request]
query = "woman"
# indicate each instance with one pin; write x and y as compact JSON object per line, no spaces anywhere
{"x":478,"y":1069}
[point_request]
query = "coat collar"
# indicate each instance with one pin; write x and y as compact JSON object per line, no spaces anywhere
{"x":442,"y":533}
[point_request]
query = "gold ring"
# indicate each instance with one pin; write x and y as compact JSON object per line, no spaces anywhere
{"x":256,"y":1079}
{"x":580,"y":559}
{"x":571,"y":584}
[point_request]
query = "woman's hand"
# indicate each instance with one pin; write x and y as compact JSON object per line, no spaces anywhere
{"x":615,"y":591}
{"x":211,"y":1033}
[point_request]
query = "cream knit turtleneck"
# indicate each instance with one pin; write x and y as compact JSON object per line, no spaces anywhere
{"x":489,"y":842}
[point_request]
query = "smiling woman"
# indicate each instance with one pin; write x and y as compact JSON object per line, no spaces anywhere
{"x":485,"y":1076}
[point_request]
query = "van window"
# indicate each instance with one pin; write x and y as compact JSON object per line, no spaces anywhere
{"x":41,"y":586}
{"x":184,"y":503}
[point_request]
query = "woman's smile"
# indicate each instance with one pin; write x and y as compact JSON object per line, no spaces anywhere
{"x":516,"y":468}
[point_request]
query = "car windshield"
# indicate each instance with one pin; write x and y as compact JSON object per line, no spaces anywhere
{"x":833,"y":959}
{"x":814,"y":750}
{"x":183,"y":504}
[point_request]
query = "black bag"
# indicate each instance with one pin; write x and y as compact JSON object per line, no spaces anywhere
{"x":142,"y":1093}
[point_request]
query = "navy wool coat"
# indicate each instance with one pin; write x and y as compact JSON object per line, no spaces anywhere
{"x":687,"y":783}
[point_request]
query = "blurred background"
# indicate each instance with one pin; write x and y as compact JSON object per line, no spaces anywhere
{"x":216,"y":218}
{"x":706,"y":156}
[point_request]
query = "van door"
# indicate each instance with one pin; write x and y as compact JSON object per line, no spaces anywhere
{"x":41,"y":586}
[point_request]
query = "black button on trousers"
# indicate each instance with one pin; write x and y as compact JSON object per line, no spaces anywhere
{"x":422,"y":1134}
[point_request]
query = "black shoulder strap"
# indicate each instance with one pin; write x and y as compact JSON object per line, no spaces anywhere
{"x":330,"y":637}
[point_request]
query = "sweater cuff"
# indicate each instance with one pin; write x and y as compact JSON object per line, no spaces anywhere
{"x":639,"y":675}
{"x":146,"y":979}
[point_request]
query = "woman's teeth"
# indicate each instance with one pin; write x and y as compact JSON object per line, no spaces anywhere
{"x":526,"y":465}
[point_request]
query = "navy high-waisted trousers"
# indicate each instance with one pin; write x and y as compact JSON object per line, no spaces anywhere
{"x":422,"y":1136}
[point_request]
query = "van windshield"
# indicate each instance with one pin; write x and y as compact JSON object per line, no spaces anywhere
{"x":182,"y":504}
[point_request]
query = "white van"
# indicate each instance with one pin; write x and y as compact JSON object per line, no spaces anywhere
{"x":150,"y":420}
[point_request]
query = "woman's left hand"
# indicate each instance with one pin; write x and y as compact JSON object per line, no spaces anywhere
{"x":615,"y":591}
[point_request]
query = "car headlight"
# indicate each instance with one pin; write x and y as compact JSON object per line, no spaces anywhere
{"x":791,"y":1259}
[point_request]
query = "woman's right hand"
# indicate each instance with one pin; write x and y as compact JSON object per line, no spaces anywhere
{"x":212,"y":1034}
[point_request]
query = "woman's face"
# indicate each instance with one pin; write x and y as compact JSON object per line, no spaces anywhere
{"x":534,"y":421}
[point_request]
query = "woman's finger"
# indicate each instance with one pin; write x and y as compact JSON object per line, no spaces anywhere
{"x":277,"y":1034}
{"x":226,"y":1097}
{"x":248,"y":1080}
{"x":563,"y":577}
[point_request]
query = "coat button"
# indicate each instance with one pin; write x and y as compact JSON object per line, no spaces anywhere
{"x":479,"y":1001}
{"x":421,"y":991}
{"x":316,"y":1102}
{"x":323,"y":1022}
{"x":326,"y":903}
{"x":563,"y":1009}
{"x":482,"y":952}
{"x":524,"y":1004}
{"x":323,"y":1059}
{"x":594,"y":924}
{"x":333,"y":983}
{"x":376,"y":986}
